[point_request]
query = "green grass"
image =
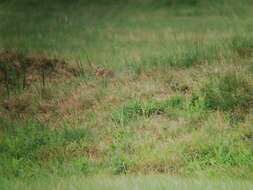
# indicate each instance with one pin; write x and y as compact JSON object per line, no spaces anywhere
{"x":177,"y":101}
{"x":26,"y":149}
{"x":228,"y":92}
{"x":134,"y":182}
{"x":135,"y":109}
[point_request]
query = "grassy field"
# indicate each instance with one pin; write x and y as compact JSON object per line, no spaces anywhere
{"x":149,"y":88}
{"x":130,"y":182}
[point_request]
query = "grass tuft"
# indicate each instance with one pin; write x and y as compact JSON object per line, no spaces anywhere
{"x":135,"y":109}
{"x":243,"y":46}
{"x":228,"y":92}
{"x":24,"y":149}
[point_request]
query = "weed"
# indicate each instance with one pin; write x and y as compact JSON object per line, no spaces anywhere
{"x":243,"y":46}
{"x":135,"y":67}
{"x":135,"y":109}
{"x":120,"y":166}
{"x":221,"y":153}
{"x":71,"y":135}
{"x":227,"y":92}
{"x":80,"y":164}
{"x":84,"y":71}
{"x":24,"y":148}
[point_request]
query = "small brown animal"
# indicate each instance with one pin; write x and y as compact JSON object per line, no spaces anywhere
{"x":104,"y":73}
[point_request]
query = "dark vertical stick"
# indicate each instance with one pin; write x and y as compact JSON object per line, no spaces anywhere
{"x":24,"y":79}
{"x":43,"y":78}
{"x":7,"y":83}
{"x":17,"y":80}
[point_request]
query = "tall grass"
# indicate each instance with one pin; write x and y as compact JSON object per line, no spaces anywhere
{"x":135,"y":109}
{"x":25,"y":149}
{"x":228,"y":92}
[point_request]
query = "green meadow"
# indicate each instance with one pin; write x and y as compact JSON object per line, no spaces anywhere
{"x":140,"y":94}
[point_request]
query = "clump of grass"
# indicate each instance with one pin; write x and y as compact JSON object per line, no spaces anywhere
{"x":23,"y":149}
{"x":227,"y":150}
{"x":85,"y":72}
{"x":120,"y":165}
{"x":243,"y":46}
{"x":120,"y":150}
{"x":135,"y":109}
{"x":77,"y":166}
{"x":13,"y":73}
{"x":75,"y":135}
{"x":228,"y":92}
